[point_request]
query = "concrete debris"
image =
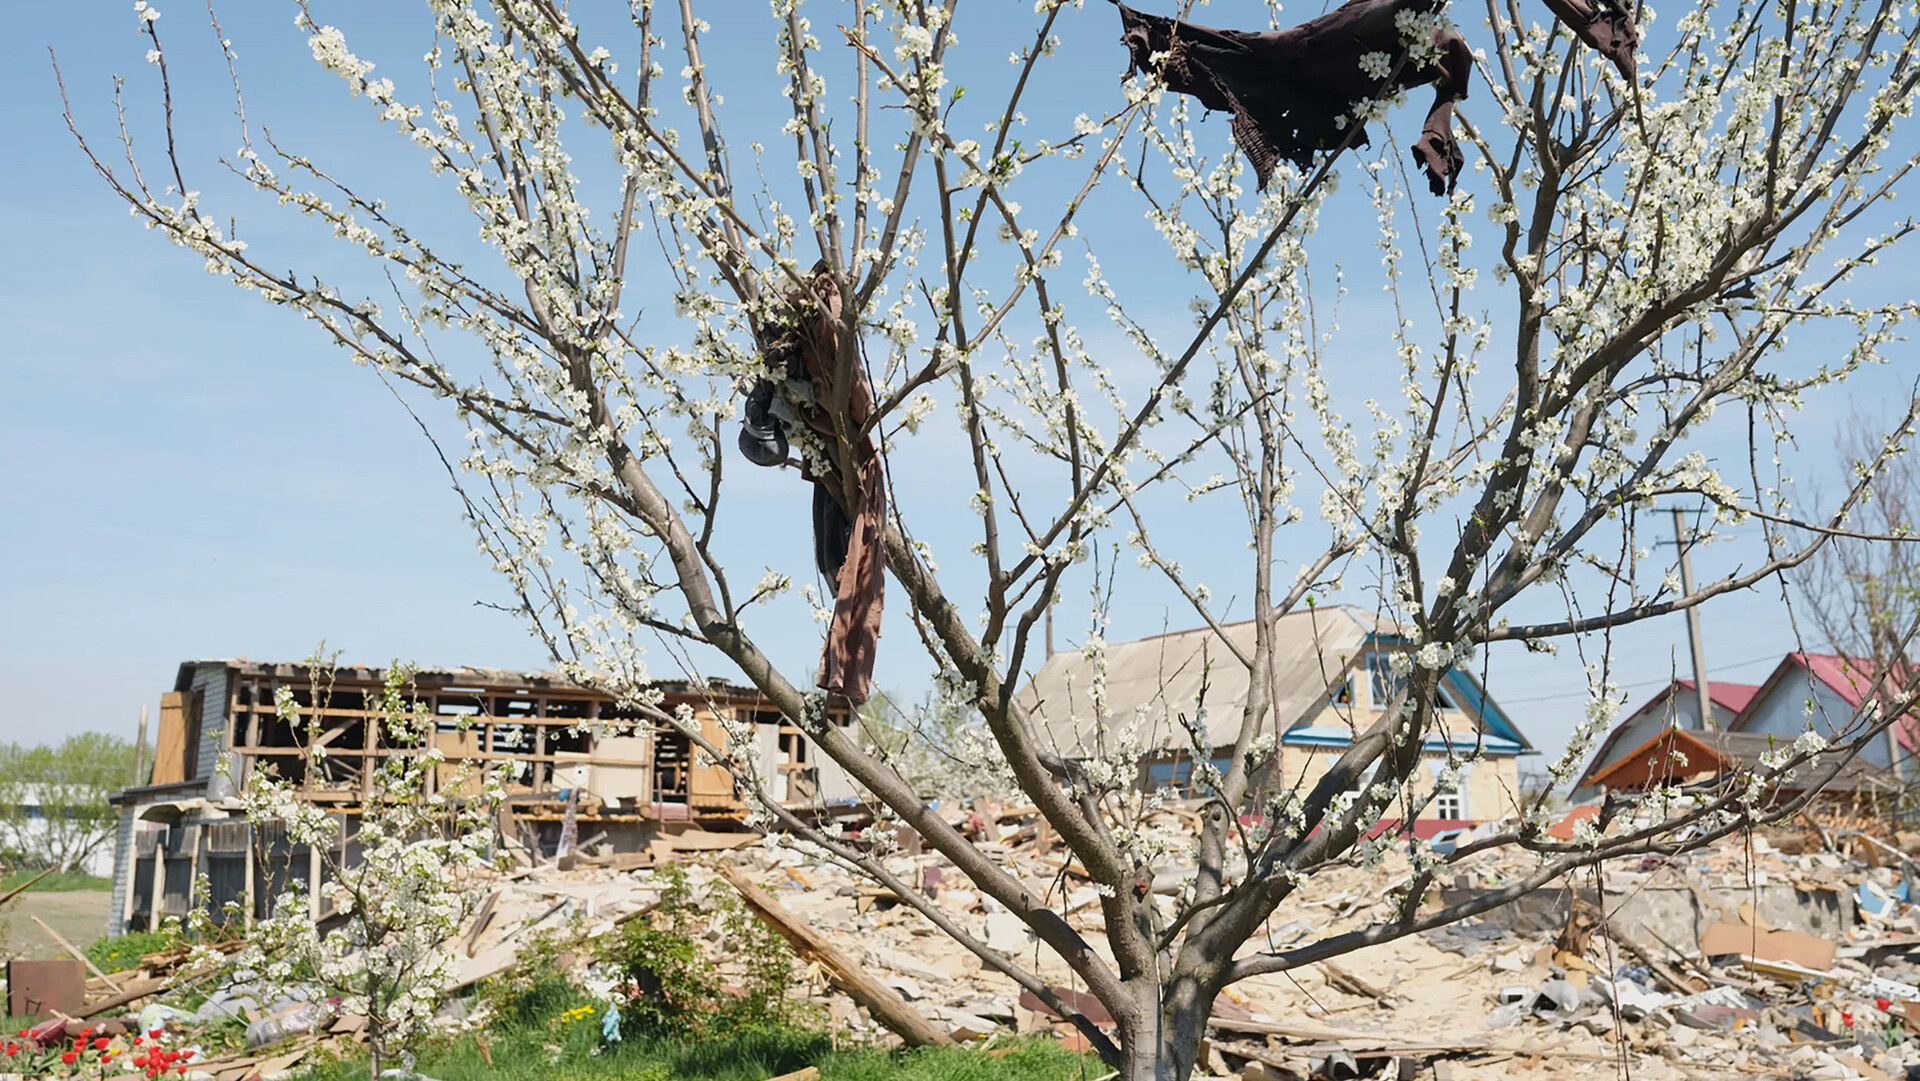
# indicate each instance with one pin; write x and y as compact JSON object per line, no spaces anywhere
{"x":1750,"y":957}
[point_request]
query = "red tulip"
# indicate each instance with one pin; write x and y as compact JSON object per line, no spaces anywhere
{"x":1846,"y":1018}
{"x":101,"y":1043}
{"x":69,"y":1057}
{"x":1883,"y":1003}
{"x":155,"y":1033}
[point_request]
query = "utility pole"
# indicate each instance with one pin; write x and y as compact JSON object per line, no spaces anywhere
{"x":1682,"y":541}
{"x":140,"y":751}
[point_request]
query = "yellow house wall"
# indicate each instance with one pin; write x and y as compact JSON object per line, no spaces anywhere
{"x":1492,"y":788}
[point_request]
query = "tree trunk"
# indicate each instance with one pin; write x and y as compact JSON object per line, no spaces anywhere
{"x":1167,"y":1045}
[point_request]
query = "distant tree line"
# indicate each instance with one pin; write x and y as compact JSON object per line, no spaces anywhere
{"x":53,"y":799}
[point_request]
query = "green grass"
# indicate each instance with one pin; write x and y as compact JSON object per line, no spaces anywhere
{"x":57,"y":882}
{"x":527,"y":1052}
{"x":124,"y":952}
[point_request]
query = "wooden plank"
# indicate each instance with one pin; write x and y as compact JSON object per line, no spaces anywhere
{"x":885,"y":1004}
{"x":480,"y":921}
{"x":1312,"y":1032}
{"x":139,"y":989}
{"x":1342,"y":980}
{"x":370,"y":739}
{"x":170,"y":743}
{"x":709,"y":841}
{"x":1808,"y":951}
{"x":712,"y":783}
{"x":458,"y":748}
{"x":571,"y":758}
{"x":25,"y":886}
{"x":61,"y":940}
{"x":324,"y":712}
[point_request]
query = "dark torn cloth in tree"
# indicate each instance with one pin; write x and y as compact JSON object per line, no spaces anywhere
{"x":848,"y":542}
{"x":1293,"y":92}
{"x":1606,"y":25}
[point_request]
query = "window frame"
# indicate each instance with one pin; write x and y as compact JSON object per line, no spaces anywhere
{"x":1380,"y":671}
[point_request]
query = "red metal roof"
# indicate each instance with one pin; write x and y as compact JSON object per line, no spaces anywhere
{"x":1728,"y":696}
{"x":1847,"y":678}
{"x":1853,"y":681}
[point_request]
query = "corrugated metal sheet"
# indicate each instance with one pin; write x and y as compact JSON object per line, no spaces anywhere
{"x":429,"y":678}
{"x":1153,"y":683}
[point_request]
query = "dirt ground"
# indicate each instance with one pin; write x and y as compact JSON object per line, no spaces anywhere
{"x":80,"y":915}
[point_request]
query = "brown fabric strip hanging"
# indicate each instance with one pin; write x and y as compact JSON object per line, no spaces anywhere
{"x":849,"y":542}
{"x":860,"y":581}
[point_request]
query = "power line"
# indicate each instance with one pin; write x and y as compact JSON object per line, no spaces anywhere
{"x":1642,"y":683}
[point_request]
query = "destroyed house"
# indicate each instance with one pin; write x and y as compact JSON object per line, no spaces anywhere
{"x":1683,"y":757}
{"x":1332,"y":675}
{"x":219,"y":725}
{"x":1823,"y":693}
{"x":1677,"y":705}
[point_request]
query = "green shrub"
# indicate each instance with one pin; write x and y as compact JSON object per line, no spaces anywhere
{"x":767,"y":971}
{"x":536,"y":985}
{"x":671,"y":989}
{"x":668,"y":986}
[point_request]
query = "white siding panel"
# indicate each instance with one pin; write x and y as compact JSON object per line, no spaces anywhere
{"x":834,"y":782}
{"x":766,"y":750}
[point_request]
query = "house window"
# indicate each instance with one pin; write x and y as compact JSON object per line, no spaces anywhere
{"x":1178,"y":774}
{"x":1341,"y":693}
{"x":1448,"y":804}
{"x":1365,"y":781}
{"x":1383,"y":683}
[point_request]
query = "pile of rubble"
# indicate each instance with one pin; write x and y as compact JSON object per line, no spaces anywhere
{"x":1782,"y":955}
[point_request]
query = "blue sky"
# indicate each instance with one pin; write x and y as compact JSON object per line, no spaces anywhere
{"x":192,"y":474}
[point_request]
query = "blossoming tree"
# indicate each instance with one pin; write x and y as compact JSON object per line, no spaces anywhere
{"x":416,"y":844}
{"x":1660,"y":222}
